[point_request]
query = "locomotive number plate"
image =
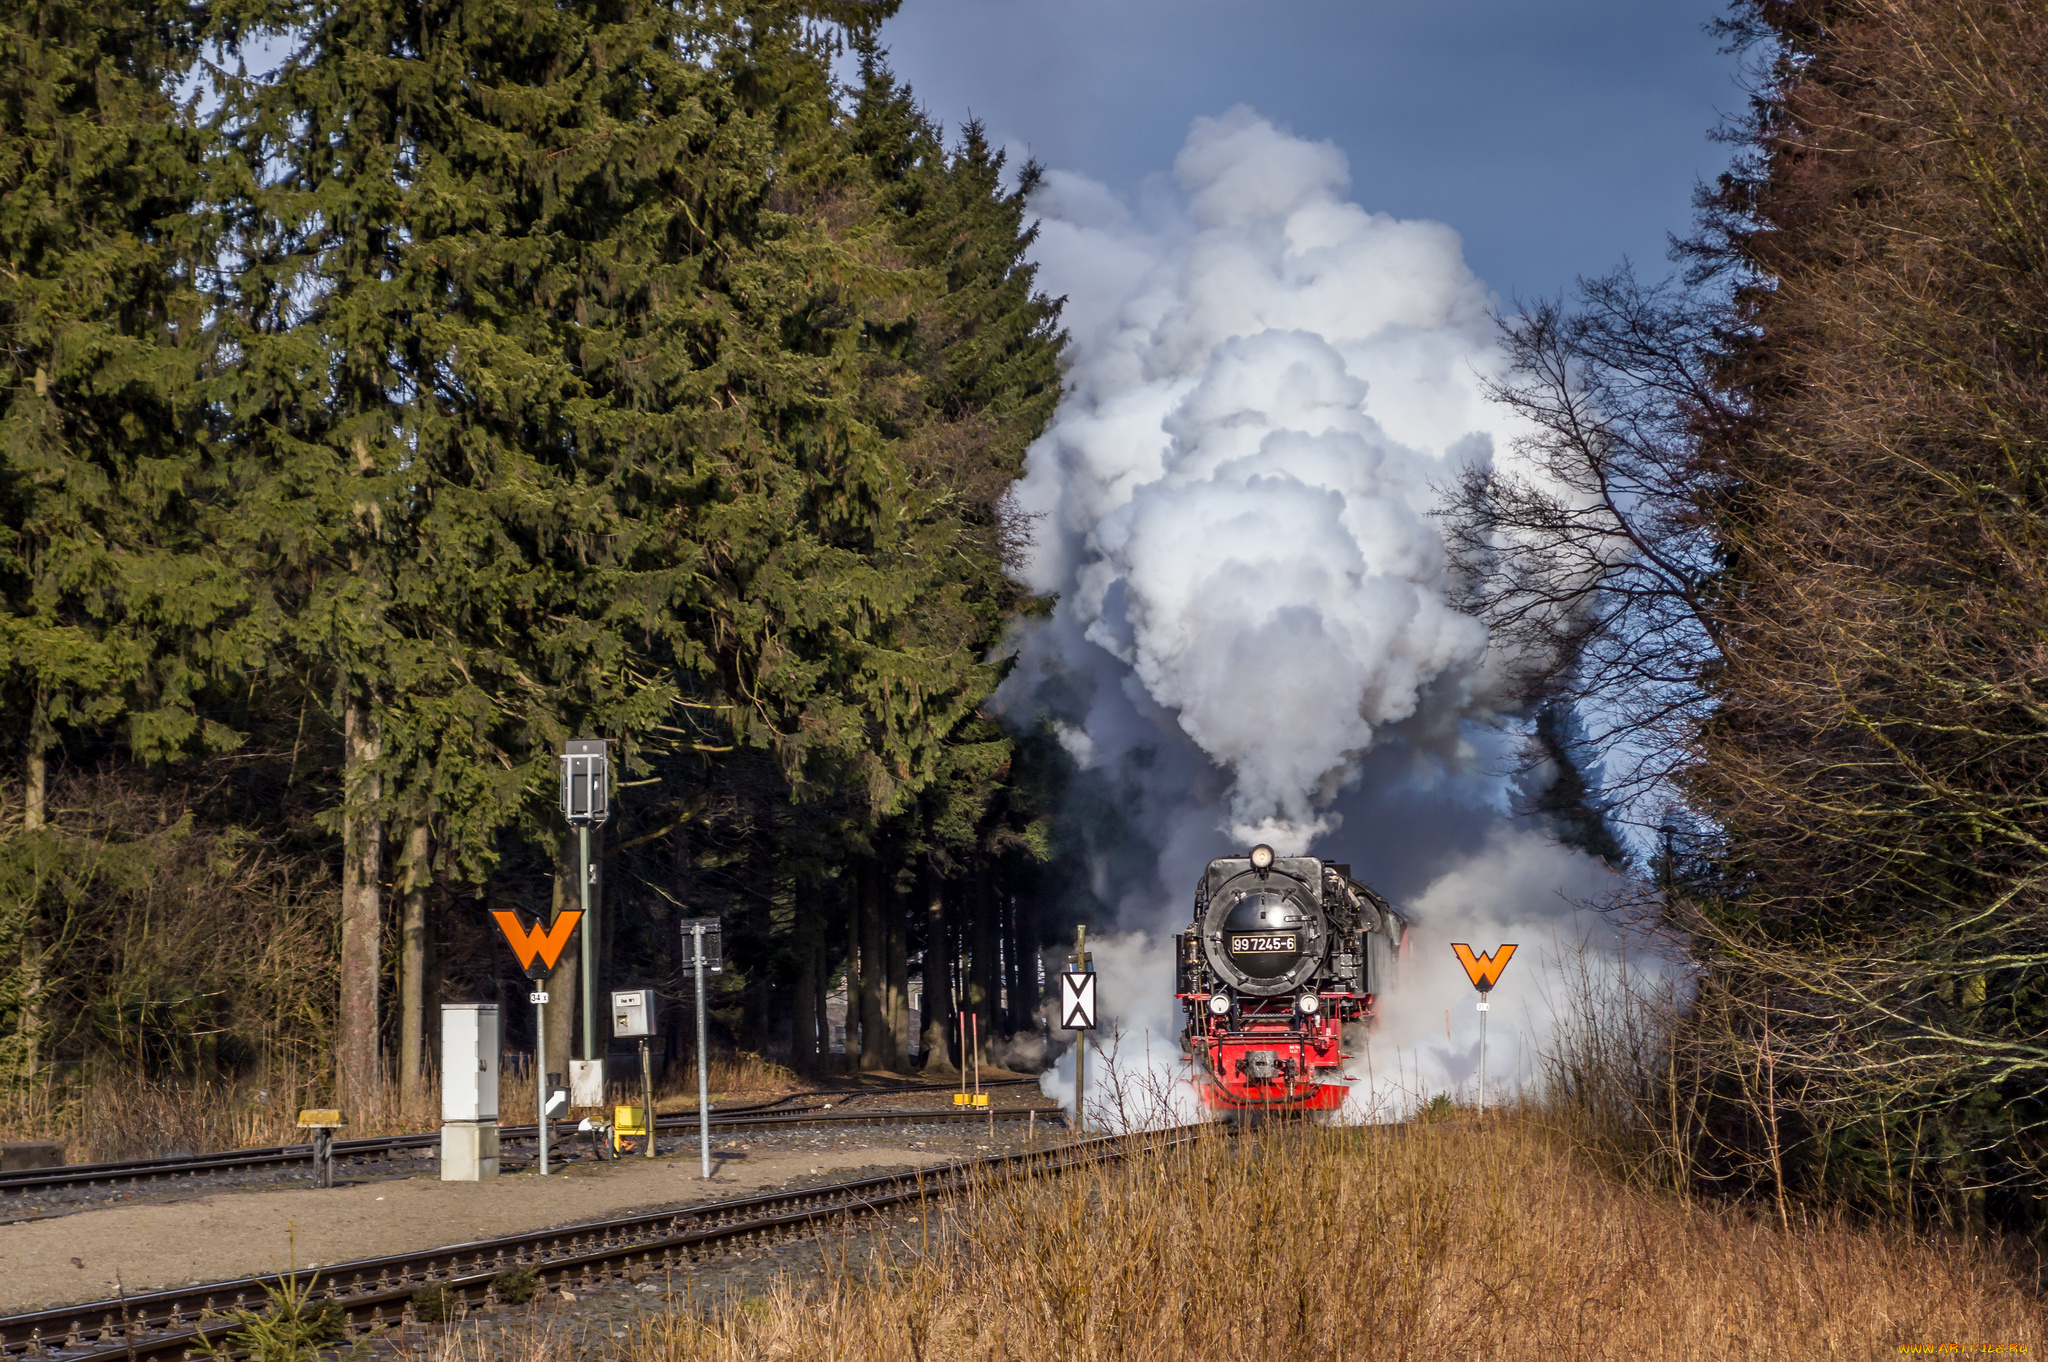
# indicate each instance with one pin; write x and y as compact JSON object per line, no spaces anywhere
{"x":1260,"y":945}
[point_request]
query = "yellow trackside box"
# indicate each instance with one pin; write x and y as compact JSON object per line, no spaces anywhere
{"x":628,"y":1123}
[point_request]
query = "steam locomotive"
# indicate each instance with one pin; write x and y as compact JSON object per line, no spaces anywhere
{"x":1284,"y":953}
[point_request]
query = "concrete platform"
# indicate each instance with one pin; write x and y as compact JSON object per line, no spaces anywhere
{"x":18,"y":1156}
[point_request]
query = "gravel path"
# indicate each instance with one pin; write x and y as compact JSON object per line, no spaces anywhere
{"x":599,"y":1325}
{"x":169,"y":1240}
{"x":42,"y":1203}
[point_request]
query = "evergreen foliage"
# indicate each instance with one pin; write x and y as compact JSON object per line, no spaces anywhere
{"x":494,"y":376}
{"x":112,"y":604}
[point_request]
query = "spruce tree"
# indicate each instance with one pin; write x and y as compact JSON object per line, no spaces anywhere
{"x":111,"y":607}
{"x":587,"y":451}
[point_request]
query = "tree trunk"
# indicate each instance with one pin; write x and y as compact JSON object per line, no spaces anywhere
{"x":982,"y":967}
{"x":822,"y":982}
{"x":412,"y":968}
{"x":362,"y":908}
{"x":1024,"y":1002}
{"x":561,"y":984}
{"x":435,"y":968}
{"x":897,"y":1003}
{"x":803,"y":1013}
{"x":1013,"y":970}
{"x":37,"y":780}
{"x":855,"y":916}
{"x":35,"y":812}
{"x":874,"y":964}
{"x":938,"y":981}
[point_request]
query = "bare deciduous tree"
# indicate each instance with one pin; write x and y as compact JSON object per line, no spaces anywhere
{"x":1590,"y":550}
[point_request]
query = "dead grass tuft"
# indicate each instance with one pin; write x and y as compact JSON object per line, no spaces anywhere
{"x":115,"y":1115}
{"x":1417,"y":1242}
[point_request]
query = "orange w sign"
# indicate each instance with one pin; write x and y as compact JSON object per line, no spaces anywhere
{"x":546,"y":944}
{"x":1483,"y":970}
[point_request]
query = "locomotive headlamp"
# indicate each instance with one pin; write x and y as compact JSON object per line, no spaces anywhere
{"x":1262,"y":857}
{"x":1309,"y":1004}
{"x":1219,"y":1004}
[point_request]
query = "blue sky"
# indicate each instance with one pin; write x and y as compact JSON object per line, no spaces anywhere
{"x":1555,"y":136}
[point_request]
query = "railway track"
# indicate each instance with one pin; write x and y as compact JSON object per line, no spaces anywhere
{"x":753,"y":1116}
{"x":375,"y":1293}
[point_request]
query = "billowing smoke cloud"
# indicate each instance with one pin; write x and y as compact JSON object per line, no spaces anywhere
{"x":1253,"y":638}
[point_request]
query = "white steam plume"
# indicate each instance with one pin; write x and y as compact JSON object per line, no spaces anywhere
{"x":1233,"y":500}
{"x":1253,"y":639}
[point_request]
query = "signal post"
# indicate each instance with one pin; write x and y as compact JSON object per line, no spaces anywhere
{"x":538,"y":951}
{"x":1077,"y":1014}
{"x":1484,"y":972}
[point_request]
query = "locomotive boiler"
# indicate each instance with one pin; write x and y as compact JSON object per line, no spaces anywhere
{"x":1284,"y":953}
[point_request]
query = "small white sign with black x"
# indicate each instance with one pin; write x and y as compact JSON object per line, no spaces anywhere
{"x":1077,"y":1002}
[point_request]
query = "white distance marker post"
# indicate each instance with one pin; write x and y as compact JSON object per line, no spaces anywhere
{"x":1484,"y":972}
{"x":703,"y":938}
{"x":1077,"y":1014}
{"x":539,"y":999}
{"x":539,"y":951}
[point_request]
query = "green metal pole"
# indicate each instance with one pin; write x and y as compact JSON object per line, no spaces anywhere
{"x":647,"y":1088}
{"x":586,"y":952}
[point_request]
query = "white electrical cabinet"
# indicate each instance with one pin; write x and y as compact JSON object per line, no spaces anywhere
{"x":633,"y":1014}
{"x":469,"y":1091}
{"x":469,"y":1061}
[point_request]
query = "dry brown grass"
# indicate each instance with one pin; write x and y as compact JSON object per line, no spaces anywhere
{"x":112,"y":1115}
{"x":1431,"y":1242}
{"x":741,"y":1075}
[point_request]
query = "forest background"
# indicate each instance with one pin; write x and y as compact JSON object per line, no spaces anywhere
{"x":488,"y":375}
{"x":479,"y":378}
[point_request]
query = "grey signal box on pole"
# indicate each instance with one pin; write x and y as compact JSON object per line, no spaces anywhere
{"x":713,"y":951}
{"x":632,"y":1014}
{"x":586,"y":781}
{"x":586,"y":804}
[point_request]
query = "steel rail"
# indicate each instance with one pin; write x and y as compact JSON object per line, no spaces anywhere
{"x":266,"y":1156}
{"x":378,"y":1292}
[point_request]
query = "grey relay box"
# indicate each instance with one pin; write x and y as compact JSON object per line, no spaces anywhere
{"x":633,"y":1013}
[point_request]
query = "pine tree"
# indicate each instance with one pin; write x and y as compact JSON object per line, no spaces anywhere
{"x":111,"y":607}
{"x":962,"y":383}
{"x":588,"y":451}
